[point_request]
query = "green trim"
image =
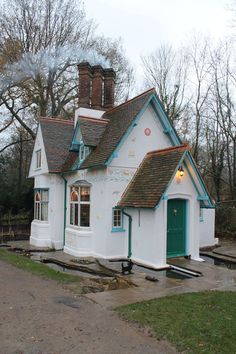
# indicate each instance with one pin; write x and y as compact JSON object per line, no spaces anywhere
{"x":65,"y":208}
{"x":181,"y":248}
{"x":74,"y":139}
{"x":129,"y":234}
{"x":120,"y":228}
{"x":169,"y":129}
{"x":200,"y":180}
{"x":171,"y":180}
{"x":166,"y":126}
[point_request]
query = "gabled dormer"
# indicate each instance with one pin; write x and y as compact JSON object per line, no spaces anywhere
{"x":87,"y":133}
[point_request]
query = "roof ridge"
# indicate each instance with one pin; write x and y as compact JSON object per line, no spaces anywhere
{"x":132,"y":99}
{"x":97,"y":120}
{"x":169,"y":149}
{"x":57,"y":120}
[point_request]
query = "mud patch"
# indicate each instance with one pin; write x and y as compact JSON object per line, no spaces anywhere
{"x":67,"y":301}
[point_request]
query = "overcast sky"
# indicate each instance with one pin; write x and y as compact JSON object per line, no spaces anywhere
{"x":145,"y":24}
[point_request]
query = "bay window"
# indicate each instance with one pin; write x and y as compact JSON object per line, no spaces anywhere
{"x":41,"y":204}
{"x":80,"y":206}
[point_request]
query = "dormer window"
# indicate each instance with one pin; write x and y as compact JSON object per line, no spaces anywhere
{"x":38,"y":158}
{"x":83,"y":152}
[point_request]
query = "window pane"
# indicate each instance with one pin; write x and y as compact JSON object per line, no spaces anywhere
{"x":84,"y":215}
{"x":84,"y":194}
{"x":44,"y":211}
{"x":37,"y":196}
{"x":72,"y":214}
{"x":117,"y":218}
{"x":44,"y":195}
{"x":74,"y":197}
{"x":76,"y":214}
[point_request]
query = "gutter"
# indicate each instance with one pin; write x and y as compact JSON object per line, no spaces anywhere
{"x":65,"y":197}
{"x":129,"y":233}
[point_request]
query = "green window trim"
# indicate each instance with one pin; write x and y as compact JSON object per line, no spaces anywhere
{"x":117,"y":220}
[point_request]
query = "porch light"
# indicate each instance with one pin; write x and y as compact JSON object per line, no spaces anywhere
{"x":181,"y":171}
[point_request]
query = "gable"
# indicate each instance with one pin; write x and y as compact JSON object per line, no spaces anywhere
{"x":145,"y":136}
{"x":38,"y":146}
{"x":57,"y":136}
{"x":122,"y":120}
{"x":155,"y":177}
{"x":88,"y":131}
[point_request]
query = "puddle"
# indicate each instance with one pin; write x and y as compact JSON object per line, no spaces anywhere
{"x":218,"y":262}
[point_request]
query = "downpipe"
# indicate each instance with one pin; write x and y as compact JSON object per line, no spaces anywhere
{"x":129,"y":233}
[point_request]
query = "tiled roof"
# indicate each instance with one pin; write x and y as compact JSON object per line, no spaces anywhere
{"x":92,"y":130}
{"x":120,"y":119}
{"x":152,"y":178}
{"x":57,"y":137}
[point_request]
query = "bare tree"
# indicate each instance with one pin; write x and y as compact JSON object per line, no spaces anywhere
{"x":41,"y":42}
{"x":166,"y":70}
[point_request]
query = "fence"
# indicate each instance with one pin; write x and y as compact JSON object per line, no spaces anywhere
{"x":14,"y":228}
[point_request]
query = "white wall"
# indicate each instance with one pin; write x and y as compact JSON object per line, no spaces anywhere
{"x":207,"y":228}
{"x":50,"y":233}
{"x":137,"y":144}
{"x":39,"y":144}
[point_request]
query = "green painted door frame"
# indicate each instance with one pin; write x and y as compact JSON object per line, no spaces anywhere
{"x":176,"y":227}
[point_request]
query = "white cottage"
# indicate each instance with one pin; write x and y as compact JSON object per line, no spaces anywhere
{"x":117,"y":182}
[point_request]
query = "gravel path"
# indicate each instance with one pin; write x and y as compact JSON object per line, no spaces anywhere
{"x":38,"y":316}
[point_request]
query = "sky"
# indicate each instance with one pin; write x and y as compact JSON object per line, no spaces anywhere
{"x":144,"y":25}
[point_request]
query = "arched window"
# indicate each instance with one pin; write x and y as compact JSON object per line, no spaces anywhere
{"x":80,"y":206}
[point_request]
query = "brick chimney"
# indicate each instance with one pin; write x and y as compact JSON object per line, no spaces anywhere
{"x":85,"y":77}
{"x":109,"y":87}
{"x":97,"y":87}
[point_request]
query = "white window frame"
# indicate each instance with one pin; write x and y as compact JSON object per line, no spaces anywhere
{"x":38,"y":154}
{"x":39,"y":205}
{"x":83,"y":152}
{"x":75,"y":215}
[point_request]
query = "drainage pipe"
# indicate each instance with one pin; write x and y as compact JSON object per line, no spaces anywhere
{"x":129,"y":233}
{"x":65,"y":197}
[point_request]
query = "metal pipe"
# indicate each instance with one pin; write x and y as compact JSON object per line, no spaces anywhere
{"x":65,"y":197}
{"x":129,"y":233}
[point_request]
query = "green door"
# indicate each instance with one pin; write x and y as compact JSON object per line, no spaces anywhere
{"x":176,"y":228}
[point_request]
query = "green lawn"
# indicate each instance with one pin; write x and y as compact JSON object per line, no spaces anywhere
{"x":36,"y":267}
{"x":197,"y":323}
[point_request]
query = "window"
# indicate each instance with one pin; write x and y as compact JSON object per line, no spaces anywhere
{"x":80,"y":206}
{"x":41,"y":204}
{"x":83,"y":152}
{"x":117,"y":220}
{"x":38,"y":159}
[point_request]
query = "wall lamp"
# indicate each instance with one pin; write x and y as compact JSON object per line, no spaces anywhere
{"x":181,"y":171}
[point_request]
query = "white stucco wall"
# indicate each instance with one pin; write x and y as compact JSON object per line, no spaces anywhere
{"x":38,"y":145}
{"x":50,"y":233}
{"x":137,"y":144}
{"x":107,"y":186}
{"x":207,"y":228}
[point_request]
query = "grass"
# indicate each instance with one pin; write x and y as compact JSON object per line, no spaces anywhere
{"x":197,"y":323}
{"x":36,"y":267}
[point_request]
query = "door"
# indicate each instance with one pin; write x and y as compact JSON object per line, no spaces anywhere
{"x":176,"y":228}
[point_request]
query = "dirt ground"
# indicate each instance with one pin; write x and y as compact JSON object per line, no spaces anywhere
{"x":38,"y":316}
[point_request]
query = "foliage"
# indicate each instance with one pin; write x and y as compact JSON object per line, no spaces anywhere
{"x":196,"y":323}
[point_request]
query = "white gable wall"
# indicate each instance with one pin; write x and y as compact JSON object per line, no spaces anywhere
{"x":38,"y":145}
{"x":50,"y":233}
{"x":135,"y":146}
